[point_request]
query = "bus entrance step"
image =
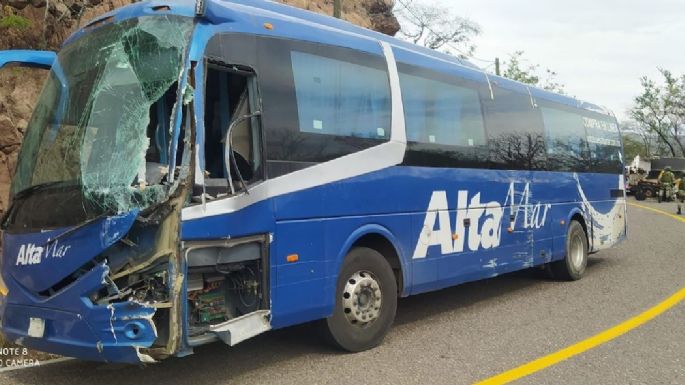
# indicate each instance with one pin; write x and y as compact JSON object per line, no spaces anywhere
{"x":239,"y":329}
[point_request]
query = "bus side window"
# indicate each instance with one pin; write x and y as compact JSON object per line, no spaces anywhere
{"x":566,"y":145}
{"x":604,"y":143}
{"x":340,"y":98}
{"x":230,"y":95}
{"x":515,"y":131}
{"x":444,"y":120}
{"x":323,"y":102}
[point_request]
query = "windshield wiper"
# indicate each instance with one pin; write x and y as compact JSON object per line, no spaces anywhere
{"x":28,"y":191}
{"x":43,"y":186}
{"x":77,"y":227}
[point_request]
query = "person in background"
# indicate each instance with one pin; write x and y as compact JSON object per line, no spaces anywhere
{"x":666,"y":181}
{"x":680,"y":195}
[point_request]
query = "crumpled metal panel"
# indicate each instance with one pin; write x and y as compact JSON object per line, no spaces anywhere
{"x":77,"y":328}
{"x":40,"y":260}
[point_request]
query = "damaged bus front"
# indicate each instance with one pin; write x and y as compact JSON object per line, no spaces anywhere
{"x":91,"y":260}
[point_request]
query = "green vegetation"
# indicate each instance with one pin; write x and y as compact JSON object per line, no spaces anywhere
{"x":659,"y":112}
{"x":14,"y":21}
{"x":633,"y":147}
{"x":515,"y":70}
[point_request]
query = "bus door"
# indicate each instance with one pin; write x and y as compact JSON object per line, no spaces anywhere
{"x":227,"y":256}
{"x":228,"y":112}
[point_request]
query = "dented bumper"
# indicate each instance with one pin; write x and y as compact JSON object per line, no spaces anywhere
{"x":73,"y":326}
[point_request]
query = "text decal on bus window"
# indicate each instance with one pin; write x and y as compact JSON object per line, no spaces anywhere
{"x":484,"y":219}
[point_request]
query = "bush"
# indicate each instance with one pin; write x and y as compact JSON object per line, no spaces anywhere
{"x":15,"y":22}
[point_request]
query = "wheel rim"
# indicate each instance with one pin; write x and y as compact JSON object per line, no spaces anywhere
{"x":648,"y":193}
{"x":362,"y":298}
{"x":577,"y":252}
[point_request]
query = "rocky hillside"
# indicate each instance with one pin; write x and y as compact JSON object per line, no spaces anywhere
{"x":43,"y":24}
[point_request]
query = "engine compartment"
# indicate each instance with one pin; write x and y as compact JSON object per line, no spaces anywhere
{"x":226,"y":281}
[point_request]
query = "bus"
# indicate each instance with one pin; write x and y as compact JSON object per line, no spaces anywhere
{"x":210,"y":171}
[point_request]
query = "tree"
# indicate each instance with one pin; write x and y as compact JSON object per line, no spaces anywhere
{"x":660,"y":108}
{"x":633,"y":147}
{"x":650,"y":145}
{"x":515,"y":70}
{"x":436,"y":27}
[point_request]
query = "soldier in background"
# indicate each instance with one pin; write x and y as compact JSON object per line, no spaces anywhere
{"x":681,"y":194}
{"x":666,"y":181}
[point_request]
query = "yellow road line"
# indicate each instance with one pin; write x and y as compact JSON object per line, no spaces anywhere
{"x":594,"y":341}
{"x":676,"y":217}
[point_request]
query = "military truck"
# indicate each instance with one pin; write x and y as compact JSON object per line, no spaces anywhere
{"x":649,"y":186}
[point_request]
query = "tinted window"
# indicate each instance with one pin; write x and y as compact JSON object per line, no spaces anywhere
{"x":566,"y":145}
{"x":320,"y":102}
{"x":444,"y":120}
{"x":604,"y":142}
{"x":340,"y":98}
{"x":580,"y":140}
{"x":437,"y":112}
{"x":515,"y":131}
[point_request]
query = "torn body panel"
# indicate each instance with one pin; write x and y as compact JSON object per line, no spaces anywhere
{"x":120,"y":303}
{"x":75,"y":326}
{"x":92,"y":243}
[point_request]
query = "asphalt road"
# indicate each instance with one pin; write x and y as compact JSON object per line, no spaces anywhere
{"x":464,"y":334}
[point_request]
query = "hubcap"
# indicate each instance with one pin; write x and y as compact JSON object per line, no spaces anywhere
{"x":361,"y":298}
{"x":577,"y":252}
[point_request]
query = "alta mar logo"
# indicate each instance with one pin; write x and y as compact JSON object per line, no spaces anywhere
{"x":30,"y":254}
{"x":485,"y":221}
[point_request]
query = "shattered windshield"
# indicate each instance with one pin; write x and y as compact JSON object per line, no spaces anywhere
{"x":99,"y":138}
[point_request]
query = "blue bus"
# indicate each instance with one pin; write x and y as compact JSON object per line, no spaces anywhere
{"x":199,"y":172}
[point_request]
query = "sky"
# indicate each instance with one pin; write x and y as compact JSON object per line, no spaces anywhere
{"x":599,"y":48}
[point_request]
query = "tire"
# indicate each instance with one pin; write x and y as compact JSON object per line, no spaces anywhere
{"x":572,"y":267}
{"x":649,"y":193}
{"x":640,"y":195}
{"x":361,"y":267}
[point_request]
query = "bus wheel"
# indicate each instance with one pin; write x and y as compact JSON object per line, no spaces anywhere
{"x":365,"y":301}
{"x":572,"y":267}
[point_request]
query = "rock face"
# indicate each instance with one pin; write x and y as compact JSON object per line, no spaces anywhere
{"x":372,"y":14}
{"x":39,"y":28}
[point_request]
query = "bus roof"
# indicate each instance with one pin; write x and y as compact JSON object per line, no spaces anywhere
{"x":220,"y":12}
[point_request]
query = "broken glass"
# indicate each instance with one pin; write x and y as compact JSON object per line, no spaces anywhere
{"x":96,"y":127}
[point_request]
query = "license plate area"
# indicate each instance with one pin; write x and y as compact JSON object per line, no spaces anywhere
{"x":36,"y":327}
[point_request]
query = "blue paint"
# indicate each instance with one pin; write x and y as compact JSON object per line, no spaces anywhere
{"x":320,"y":224}
{"x":74,"y":326}
{"x":63,"y":250}
{"x":28,"y":58}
